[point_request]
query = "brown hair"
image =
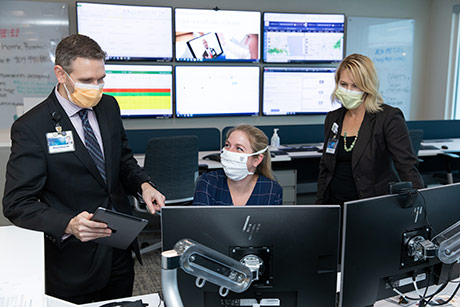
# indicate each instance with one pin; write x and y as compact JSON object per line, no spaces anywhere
{"x":364,"y":75}
{"x":75,"y":46}
{"x":258,"y":141}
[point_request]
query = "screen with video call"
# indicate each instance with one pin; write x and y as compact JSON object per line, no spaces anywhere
{"x":298,"y":90}
{"x":210,"y":35}
{"x":217,"y":90}
{"x":125,"y":33}
{"x":303,"y":38}
{"x":141,"y":90}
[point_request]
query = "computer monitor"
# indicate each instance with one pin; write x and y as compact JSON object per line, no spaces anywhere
{"x":303,"y":38}
{"x":217,"y":90}
{"x":217,"y":35}
{"x":298,"y":90}
{"x":375,"y":236}
{"x":297,"y":244}
{"x":128,"y":32}
{"x":141,"y":90}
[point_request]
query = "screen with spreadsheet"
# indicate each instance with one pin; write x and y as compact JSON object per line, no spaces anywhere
{"x":141,"y":90}
{"x":298,"y":90}
{"x":128,"y":32}
{"x":303,"y":38}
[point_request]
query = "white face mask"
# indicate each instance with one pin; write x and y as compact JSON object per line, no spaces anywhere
{"x":235,"y":163}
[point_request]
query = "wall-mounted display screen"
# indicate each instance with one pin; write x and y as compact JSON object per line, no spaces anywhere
{"x":217,"y":90}
{"x":298,"y":90}
{"x":210,"y":35}
{"x":128,"y":32}
{"x":141,"y":90}
{"x":303,"y":37}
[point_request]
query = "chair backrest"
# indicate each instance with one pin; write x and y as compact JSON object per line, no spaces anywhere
{"x":172,"y":163}
{"x":416,"y":137}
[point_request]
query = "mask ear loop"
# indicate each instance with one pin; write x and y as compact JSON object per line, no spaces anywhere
{"x":255,"y":154}
{"x":65,"y":86}
{"x":259,"y":152}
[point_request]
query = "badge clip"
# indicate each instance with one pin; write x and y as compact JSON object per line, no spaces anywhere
{"x":335,"y":128}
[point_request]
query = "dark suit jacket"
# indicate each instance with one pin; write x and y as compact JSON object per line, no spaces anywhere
{"x":44,"y":191}
{"x":383,"y":138}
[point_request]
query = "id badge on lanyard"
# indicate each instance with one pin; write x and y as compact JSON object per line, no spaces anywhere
{"x":334,"y":141}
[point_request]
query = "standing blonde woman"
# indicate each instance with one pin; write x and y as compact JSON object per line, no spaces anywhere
{"x":363,"y":139}
{"x":246,"y":178}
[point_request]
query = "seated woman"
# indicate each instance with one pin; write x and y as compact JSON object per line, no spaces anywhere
{"x":247,"y":177}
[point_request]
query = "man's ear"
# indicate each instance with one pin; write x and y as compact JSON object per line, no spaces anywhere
{"x":60,"y":73}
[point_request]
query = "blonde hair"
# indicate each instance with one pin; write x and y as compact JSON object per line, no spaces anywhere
{"x":364,"y":75}
{"x":258,"y":141}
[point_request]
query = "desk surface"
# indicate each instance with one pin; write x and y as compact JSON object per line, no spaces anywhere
{"x":443,"y":145}
{"x":22,"y":267}
{"x":451,"y":145}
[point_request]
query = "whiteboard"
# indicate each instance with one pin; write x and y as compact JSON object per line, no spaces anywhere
{"x":29,"y":33}
{"x":389,"y":44}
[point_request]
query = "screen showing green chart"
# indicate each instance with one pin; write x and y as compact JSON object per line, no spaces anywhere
{"x":141,"y":90}
{"x":303,"y":38}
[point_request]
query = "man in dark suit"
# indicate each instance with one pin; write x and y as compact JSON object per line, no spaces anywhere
{"x":70,"y":155}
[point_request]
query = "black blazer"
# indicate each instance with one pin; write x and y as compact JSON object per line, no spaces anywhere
{"x":44,"y":191}
{"x":383,"y":138}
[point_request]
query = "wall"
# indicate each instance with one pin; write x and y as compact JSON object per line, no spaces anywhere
{"x":437,"y":46}
{"x":431,"y":51}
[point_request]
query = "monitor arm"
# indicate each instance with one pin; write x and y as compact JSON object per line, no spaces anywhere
{"x":445,"y":246}
{"x":204,"y":263}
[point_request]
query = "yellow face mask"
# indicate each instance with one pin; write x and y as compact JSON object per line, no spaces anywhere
{"x":85,"y":95}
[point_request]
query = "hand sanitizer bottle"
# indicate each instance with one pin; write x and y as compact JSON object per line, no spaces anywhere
{"x":275,"y":141}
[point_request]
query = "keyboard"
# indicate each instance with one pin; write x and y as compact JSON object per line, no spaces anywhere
{"x":299,"y":148}
{"x":213,"y":157}
{"x":428,"y":147}
{"x":277,"y":153}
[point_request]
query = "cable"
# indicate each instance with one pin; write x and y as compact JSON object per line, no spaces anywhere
{"x":449,"y":299}
{"x":426,"y":211}
{"x":160,"y":296}
{"x":399,"y":292}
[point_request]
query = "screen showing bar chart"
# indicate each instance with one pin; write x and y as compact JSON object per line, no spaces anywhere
{"x":141,"y":90}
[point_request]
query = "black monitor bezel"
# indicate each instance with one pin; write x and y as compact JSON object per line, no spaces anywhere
{"x":224,"y":227}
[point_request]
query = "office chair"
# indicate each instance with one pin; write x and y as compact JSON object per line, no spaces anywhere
{"x":416,"y":137}
{"x":172,"y":164}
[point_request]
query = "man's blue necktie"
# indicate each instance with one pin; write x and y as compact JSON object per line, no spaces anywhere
{"x":92,"y":144}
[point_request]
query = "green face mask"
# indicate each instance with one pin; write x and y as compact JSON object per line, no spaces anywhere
{"x":350,"y":99}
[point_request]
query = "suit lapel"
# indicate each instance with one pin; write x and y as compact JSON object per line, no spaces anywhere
{"x":80,"y":149}
{"x":365,"y":133}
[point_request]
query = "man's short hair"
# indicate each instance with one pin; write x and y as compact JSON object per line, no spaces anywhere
{"x":77,"y":46}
